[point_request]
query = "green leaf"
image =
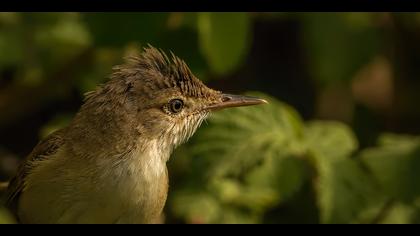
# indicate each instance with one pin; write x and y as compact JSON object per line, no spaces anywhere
{"x":6,"y":217}
{"x":395,"y":166}
{"x":284,"y":175}
{"x":11,"y":40}
{"x":249,"y":159}
{"x":330,"y":138}
{"x":236,"y":216}
{"x":10,"y":45}
{"x":195,"y":207}
{"x":400,"y":213}
{"x":118,"y":29}
{"x":242,"y":137}
{"x":41,"y":44}
{"x":345,"y":192}
{"x":61,"y":41}
{"x":402,"y":141}
{"x":338,"y":44}
{"x":224,"y":39}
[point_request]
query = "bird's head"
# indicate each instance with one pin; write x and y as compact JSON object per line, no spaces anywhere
{"x":160,"y":97}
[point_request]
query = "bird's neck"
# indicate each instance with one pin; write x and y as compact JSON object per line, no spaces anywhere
{"x":118,"y":144}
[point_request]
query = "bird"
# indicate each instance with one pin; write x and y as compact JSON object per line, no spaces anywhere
{"x":108,"y":165}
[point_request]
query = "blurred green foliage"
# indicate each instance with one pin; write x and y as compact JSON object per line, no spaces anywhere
{"x":224,"y":38}
{"x":263,"y":164}
{"x":249,"y":161}
{"x":349,"y":39}
{"x":6,"y":217}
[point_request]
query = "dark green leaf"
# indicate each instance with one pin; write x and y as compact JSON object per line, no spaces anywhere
{"x":224,"y":39}
{"x":338,"y":44}
{"x":118,"y":29}
{"x":395,"y":165}
{"x":346,"y":193}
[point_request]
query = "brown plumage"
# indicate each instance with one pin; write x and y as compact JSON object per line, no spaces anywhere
{"x":42,"y":150}
{"x":109,"y":164}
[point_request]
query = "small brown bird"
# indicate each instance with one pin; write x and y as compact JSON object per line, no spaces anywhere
{"x":109,"y":164}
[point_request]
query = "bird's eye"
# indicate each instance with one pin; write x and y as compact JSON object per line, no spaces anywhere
{"x":176,"y":105}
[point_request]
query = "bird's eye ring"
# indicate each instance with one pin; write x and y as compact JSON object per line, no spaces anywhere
{"x":176,"y":105}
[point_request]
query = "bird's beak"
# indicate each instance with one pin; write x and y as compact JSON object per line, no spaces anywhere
{"x":230,"y":100}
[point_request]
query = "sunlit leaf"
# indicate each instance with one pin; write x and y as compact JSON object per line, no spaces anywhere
{"x":400,"y":213}
{"x":248,"y":135}
{"x":331,"y":139}
{"x":249,"y":157}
